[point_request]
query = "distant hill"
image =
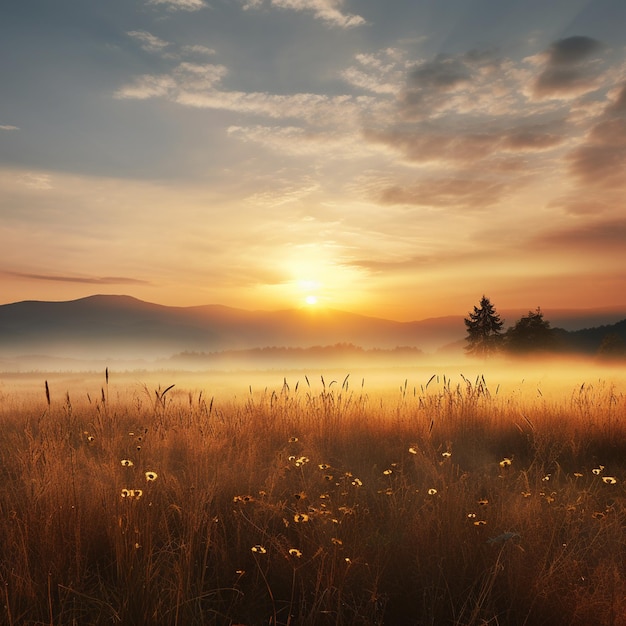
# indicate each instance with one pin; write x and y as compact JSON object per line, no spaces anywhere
{"x":606,"y":340}
{"x":122,"y":327}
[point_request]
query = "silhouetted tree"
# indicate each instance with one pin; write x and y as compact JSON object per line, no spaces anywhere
{"x":531,"y":334}
{"x":484,"y":330}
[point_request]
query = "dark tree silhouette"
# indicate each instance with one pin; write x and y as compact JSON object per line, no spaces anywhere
{"x":484,"y":330}
{"x":531,"y":334}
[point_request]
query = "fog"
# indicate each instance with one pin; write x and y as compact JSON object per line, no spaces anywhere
{"x":380,"y":375}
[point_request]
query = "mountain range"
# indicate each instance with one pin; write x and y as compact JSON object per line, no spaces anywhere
{"x":123,"y":327}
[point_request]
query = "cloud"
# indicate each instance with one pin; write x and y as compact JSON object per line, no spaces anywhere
{"x":588,"y":237}
{"x":197,"y":85}
{"x":443,"y":73}
{"x":279,"y":193}
{"x":478,"y":81}
{"x":582,"y":203}
{"x":569,"y":68}
{"x":179,"y":5}
{"x":197,"y":49}
{"x":152,"y":43}
{"x":586,"y":245}
{"x":465,"y":193}
{"x":307,"y":106}
{"x":36,"y":181}
{"x":383,"y":266}
{"x":380,"y":73}
{"x":601,"y":160}
{"x":618,"y":104}
{"x":572,"y":50}
{"x":468,"y":113}
{"x":185,"y":78}
{"x":460,"y":110}
{"x":147,"y":86}
{"x":527,"y":140}
{"x":443,"y":143}
{"x":433,"y":258}
{"x":148,"y":42}
{"x":105,"y":280}
{"x":326,"y":10}
{"x":8,"y":127}
{"x":296,"y":141}
{"x":425,"y":145}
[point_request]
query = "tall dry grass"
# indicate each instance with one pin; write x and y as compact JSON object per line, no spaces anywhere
{"x":314,"y":504}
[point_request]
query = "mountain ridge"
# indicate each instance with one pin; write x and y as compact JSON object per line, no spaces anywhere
{"x":123,"y":326}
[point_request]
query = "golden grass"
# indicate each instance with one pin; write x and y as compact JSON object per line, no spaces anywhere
{"x":444,"y":503}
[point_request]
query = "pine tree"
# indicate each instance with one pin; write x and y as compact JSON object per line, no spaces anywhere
{"x":484,"y":327}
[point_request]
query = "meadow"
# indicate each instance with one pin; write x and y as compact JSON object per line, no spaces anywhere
{"x":314,"y":499}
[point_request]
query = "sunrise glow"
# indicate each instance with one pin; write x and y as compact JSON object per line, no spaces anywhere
{"x":260,"y":154}
{"x":313,"y":312}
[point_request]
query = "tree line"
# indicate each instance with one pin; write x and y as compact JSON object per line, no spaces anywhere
{"x":531,"y":333}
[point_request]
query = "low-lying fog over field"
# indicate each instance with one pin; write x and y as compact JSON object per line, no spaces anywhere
{"x":537,"y":377}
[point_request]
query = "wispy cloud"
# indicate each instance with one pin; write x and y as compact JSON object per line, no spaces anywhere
{"x":328,"y":11}
{"x":584,"y":203}
{"x":36,"y":180}
{"x":152,"y":43}
{"x":179,"y":5}
{"x":456,"y":192}
{"x":8,"y":127}
{"x":105,"y":280}
{"x":478,"y":82}
{"x":601,"y":160}
{"x":148,"y":41}
{"x":279,"y":193}
{"x":431,"y":112}
{"x":306,"y":106}
{"x":197,"y":85}
{"x":198,"y":49}
{"x":485,"y":125}
{"x":294,"y":140}
{"x":597,"y":237}
{"x":381,"y":73}
{"x":185,"y":79}
{"x":586,"y":246}
{"x":463,"y":145}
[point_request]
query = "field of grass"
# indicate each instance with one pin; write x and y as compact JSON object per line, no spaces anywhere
{"x":318,"y":502}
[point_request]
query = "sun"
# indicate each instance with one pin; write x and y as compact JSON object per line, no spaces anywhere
{"x":311,"y":300}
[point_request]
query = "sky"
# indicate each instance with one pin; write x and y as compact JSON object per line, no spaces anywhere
{"x":395,"y":158}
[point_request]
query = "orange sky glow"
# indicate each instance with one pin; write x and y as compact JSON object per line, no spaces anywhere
{"x":393,"y":159}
